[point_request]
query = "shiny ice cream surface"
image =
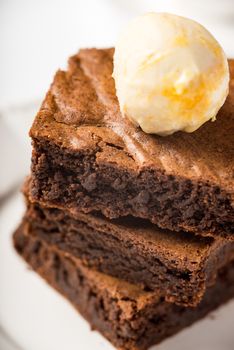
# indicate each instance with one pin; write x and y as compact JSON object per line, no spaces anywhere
{"x":170,"y":74}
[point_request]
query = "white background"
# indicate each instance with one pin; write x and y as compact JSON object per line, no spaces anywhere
{"x":37,"y":36}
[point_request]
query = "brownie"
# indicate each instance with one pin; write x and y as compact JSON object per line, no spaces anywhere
{"x":135,"y":250}
{"x":128,"y":317}
{"x":89,"y":157}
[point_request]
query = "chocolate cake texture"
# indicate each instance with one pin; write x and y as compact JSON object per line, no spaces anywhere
{"x":182,"y":266}
{"x":128,"y":317}
{"x":89,"y":157}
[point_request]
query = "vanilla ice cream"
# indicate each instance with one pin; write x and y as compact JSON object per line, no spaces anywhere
{"x":170,"y":74}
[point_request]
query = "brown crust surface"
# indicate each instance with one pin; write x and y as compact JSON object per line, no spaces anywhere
{"x":181,"y":265}
{"x":128,"y":317}
{"x":87,"y":156}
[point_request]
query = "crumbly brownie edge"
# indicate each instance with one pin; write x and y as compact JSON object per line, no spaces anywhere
{"x":65,"y":178}
{"x":135,"y":331}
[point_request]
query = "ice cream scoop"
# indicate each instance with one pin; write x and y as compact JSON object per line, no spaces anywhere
{"x":170,"y":73}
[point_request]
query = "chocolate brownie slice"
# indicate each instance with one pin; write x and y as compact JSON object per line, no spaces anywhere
{"x":87,"y":156}
{"x":137,"y":251}
{"x":127,"y":316}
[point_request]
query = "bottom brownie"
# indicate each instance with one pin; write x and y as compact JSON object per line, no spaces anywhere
{"x":130,"y":318}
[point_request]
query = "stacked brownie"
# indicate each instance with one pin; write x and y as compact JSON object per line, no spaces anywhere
{"x":136,"y":230}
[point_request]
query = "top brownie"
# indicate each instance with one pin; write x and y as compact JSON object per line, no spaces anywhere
{"x":88,"y":156}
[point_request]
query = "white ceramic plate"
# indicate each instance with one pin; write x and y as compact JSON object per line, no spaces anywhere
{"x":35,"y":317}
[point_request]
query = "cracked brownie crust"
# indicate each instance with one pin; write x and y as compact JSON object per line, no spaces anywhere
{"x":89,"y":157}
{"x":127,"y":316}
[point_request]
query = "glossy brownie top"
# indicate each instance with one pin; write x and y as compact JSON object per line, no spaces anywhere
{"x":81,"y":112}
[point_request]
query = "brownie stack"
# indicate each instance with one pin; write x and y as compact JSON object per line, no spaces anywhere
{"x":136,"y":230}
